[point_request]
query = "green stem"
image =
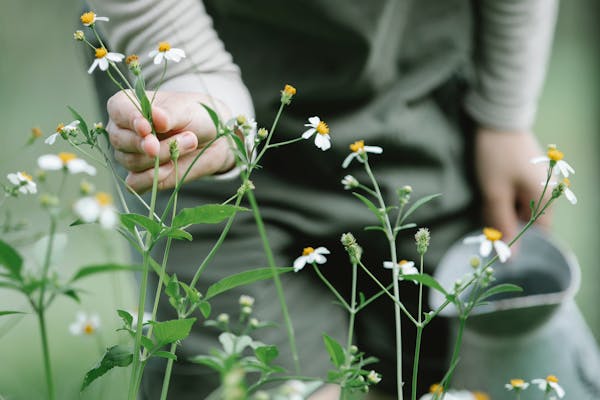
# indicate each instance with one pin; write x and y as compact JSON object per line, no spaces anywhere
{"x":374,"y":297}
{"x":167,"y":378}
{"x":419,"y":335}
{"x":330,"y":286}
{"x":353,"y":312}
{"x":457,"y":345}
{"x":160,"y":82}
{"x":46,"y":354}
{"x":279,"y":144}
{"x":268,"y":140}
{"x":276,"y":279}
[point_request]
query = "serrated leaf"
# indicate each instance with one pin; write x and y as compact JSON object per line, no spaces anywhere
{"x":11,"y":312}
{"x":100,"y":268}
{"x":171,"y":331}
{"x":205,"y":214}
{"x":165,"y":354}
{"x":241,"y":279}
{"x":502,"y":288}
{"x":11,"y":260}
{"x":369,"y":205}
{"x":82,"y":125}
{"x":213,"y":116}
{"x":115,"y":356}
{"x":140,"y":93}
{"x":130,"y":220}
{"x":335,"y":350}
{"x":418,"y":204}
{"x":266,"y":354}
{"x":126,"y":317}
{"x":205,"y":308}
{"x":426,"y":280}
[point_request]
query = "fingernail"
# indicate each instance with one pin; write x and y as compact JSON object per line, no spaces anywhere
{"x":188,"y":142}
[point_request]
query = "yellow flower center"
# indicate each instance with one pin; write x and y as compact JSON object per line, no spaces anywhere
{"x":88,"y":329}
{"x":26,"y":176}
{"x":104,"y":199}
{"x":88,"y":18}
{"x":552,"y":378}
{"x":555,"y":154}
{"x":481,"y":396}
{"x":289,"y":90}
{"x":66,"y":157}
{"x":131,"y":58}
{"x":566,"y":182}
{"x":60,"y":127}
{"x":164,"y":46}
{"x":492,"y":234}
{"x":357,"y":146}
{"x":36,"y":132}
{"x":436,"y":388}
{"x":322,"y":128}
{"x":402,"y":262}
{"x":101,"y":52}
{"x":307,"y":251}
{"x":516,"y":383}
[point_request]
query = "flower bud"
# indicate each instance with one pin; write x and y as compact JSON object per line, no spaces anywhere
{"x":79,"y":35}
{"x":246,"y":310}
{"x":373,"y":377}
{"x":262,"y":133}
{"x":422,"y":238}
{"x":404,"y":194}
{"x":261,"y":395}
{"x":254,"y":322}
{"x":350,"y":182}
{"x":173,"y":150}
{"x":223,"y":318}
{"x":287,"y":93}
{"x":86,"y":188}
{"x":36,"y":132}
{"x":246,"y":301}
{"x":47,"y":200}
{"x":133,"y":63}
{"x":352,"y":248}
{"x":475,"y":262}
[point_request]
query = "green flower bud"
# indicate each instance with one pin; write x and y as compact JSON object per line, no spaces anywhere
{"x":422,"y":238}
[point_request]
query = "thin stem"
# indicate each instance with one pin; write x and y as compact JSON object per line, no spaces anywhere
{"x":375,"y":297}
{"x":539,"y":202}
{"x":160,"y":82}
{"x":353,"y":312}
{"x":276,"y":279}
{"x":46,"y":354}
{"x":268,"y":140}
{"x":330,"y":286}
{"x":279,"y":144}
{"x":454,"y":360}
{"x":167,"y":378}
{"x":419,"y":334}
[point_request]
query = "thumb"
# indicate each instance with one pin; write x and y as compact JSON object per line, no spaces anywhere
{"x":500,"y":213}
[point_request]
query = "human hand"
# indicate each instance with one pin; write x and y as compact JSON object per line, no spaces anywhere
{"x":507,"y":179}
{"x":176,"y":116}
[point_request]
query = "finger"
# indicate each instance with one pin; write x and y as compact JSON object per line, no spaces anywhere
{"x":217,"y":158}
{"x":123,"y":113}
{"x":499,"y":211}
{"x":136,"y":162}
{"x":124,"y":140}
{"x":178,"y":113}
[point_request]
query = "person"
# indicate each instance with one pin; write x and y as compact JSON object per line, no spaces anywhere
{"x":448,"y":88}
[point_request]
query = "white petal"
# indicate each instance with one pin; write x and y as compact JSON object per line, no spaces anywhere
{"x":78,"y":165}
{"x":50,"y":162}
{"x":115,"y":57}
{"x":14,"y":179}
{"x":322,"y":250}
{"x":564,"y":168}
{"x":75,"y":329}
{"x":153,"y":53}
{"x":373,"y":149}
{"x":299,"y":263}
{"x":314,"y":121}
{"x":409,"y":269}
{"x":558,"y":389}
{"x":474,"y":239}
{"x":108,"y":218}
{"x":502,"y":250}
{"x":87,"y":209}
{"x":348,"y":159}
{"x":570,"y":196}
{"x":51,"y":139}
{"x":322,"y":141}
{"x":94,"y":65}
{"x":30,"y":187}
{"x":538,"y":160}
{"x":307,"y":134}
{"x":319,"y":258}
{"x":95,"y":320}
{"x":485,"y":248}
{"x":389,"y":265}
{"x":101,"y":19}
{"x":103,"y":64}
{"x":158,"y":57}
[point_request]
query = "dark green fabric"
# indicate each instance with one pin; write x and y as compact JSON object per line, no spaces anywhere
{"x":390,"y":72}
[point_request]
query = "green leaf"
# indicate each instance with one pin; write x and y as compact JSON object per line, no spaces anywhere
{"x":213,"y":116}
{"x":126,"y":317}
{"x":209,"y":361}
{"x":171,"y":331}
{"x":165,"y":354}
{"x":176,"y":233}
{"x":206,"y":214}
{"x":86,"y":271}
{"x":405,"y":226}
{"x":242,"y":278}
{"x":140,"y":93}
{"x":241,"y":147}
{"x":130,"y":220}
{"x":71,"y":293}
{"x":11,"y":312}
{"x":369,"y":204}
{"x":266,"y":354}
{"x":115,"y":356}
{"x":418,"y":204}
{"x":205,"y":308}
{"x":82,"y":125}
{"x":10,"y":259}
{"x":426,"y":280}
{"x":10,"y":285}
{"x":502,"y":288}
{"x":335,"y":350}
{"x":374,"y":228}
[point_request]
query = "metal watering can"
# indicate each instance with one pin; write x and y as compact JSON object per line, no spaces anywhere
{"x":530,"y":334}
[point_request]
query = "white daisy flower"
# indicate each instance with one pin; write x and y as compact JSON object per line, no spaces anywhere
{"x":437,"y":390}
{"x":89,"y":18}
{"x":555,"y":158}
{"x":566,"y":182}
{"x":350,"y":182}
{"x":85,"y":324}
{"x":404,"y":268}
{"x":103,"y":57}
{"x":166,"y":52}
{"x":62,"y":129}
{"x":309,"y":256}
{"x":322,"y":138}
{"x":23,"y":181}
{"x":359,"y":150}
{"x":373,"y":377}
{"x":490,"y":238}
{"x":549,"y":384}
{"x":517,"y":385}
{"x":293,"y":390}
{"x":98,"y":208}
{"x":246,"y":301}
{"x":65,"y":161}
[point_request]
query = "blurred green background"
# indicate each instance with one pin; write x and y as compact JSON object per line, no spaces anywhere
{"x":42,"y":71}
